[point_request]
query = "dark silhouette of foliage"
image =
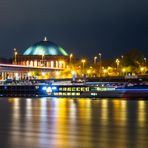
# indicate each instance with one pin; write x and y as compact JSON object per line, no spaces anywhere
{"x":133,"y":58}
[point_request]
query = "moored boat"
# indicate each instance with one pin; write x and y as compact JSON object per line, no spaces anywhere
{"x":99,"y":90}
{"x":76,"y":90}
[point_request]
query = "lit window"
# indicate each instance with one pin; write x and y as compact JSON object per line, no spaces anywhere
{"x":98,"y":88}
{"x":73,"y":94}
{"x":73,"y":89}
{"x":64,"y":88}
{"x":35,"y":63}
{"x":60,"y":89}
{"x":68,"y":94}
{"x":60,"y":94}
{"x":27,"y":63}
{"x":57,"y":65}
{"x":36,"y":87}
{"x":78,"y":89}
{"x":60,"y":64}
{"x":52,"y":64}
{"x":64,"y":94}
{"x":69,"y":89}
{"x":93,"y":94}
{"x":56,"y":94}
{"x":82,"y":88}
{"x":87,"y":88}
{"x":31,"y":63}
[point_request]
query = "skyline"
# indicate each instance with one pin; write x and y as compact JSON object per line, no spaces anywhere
{"x":84,"y":28}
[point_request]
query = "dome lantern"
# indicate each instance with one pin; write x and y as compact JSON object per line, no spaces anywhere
{"x":45,"y":39}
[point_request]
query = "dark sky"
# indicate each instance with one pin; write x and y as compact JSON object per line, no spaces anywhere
{"x":83,"y":27}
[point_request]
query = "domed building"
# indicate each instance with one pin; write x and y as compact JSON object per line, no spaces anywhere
{"x":43,"y":54}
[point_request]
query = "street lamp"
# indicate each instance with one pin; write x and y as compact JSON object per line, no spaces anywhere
{"x":71,"y":55}
{"x":43,"y":74}
{"x":123,"y":70}
{"x":122,"y":61}
{"x":142,"y":69}
{"x":117,"y":62}
{"x":15,"y":55}
{"x":144,"y":61}
{"x":89,"y":72}
{"x":29,"y":74}
{"x":83,"y":62}
{"x":100,"y":58}
{"x":95,"y":60}
{"x":57,"y":73}
{"x":105,"y":71}
{"x":73,"y":72}
{"x":74,"y":75}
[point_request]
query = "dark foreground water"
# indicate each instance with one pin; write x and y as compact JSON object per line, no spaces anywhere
{"x":68,"y":123}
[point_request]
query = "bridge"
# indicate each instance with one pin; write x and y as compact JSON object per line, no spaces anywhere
{"x":6,"y":69}
{"x":22,"y":68}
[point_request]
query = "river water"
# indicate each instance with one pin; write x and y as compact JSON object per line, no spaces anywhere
{"x":68,"y":123}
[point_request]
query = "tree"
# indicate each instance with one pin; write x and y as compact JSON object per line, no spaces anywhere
{"x":133,"y":58}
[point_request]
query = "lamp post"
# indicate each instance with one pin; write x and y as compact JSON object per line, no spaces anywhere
{"x":142,"y":70}
{"x":123,"y":70}
{"x":15,"y":55}
{"x":95,"y":60}
{"x":74,"y":75}
{"x":105,"y":72}
{"x":145,"y":61}
{"x":122,"y":61}
{"x":71,"y":55}
{"x":83,"y":62}
{"x":100,"y":58}
{"x":117,"y":62}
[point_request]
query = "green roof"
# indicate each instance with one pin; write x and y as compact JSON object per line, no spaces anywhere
{"x":45,"y":48}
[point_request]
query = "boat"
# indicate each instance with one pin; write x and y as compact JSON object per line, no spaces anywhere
{"x":99,"y":90}
{"x":69,"y":89}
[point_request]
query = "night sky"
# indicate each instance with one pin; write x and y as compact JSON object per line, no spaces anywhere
{"x":83,"y":27}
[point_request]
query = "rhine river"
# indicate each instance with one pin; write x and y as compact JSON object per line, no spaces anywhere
{"x":73,"y":123}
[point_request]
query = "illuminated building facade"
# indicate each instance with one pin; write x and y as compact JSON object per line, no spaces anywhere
{"x":43,"y":54}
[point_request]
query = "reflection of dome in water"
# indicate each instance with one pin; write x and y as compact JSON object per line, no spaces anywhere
{"x":45,"y":48}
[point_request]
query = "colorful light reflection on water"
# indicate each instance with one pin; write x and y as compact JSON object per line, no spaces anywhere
{"x":52,"y":122}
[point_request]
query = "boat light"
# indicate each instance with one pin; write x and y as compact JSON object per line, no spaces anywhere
{"x":54,"y":88}
{"x":44,"y":88}
{"x":49,"y":90}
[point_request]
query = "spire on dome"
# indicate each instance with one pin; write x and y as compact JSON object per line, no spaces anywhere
{"x":45,"y":39}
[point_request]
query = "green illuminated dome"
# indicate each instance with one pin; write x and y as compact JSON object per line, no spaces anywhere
{"x":45,"y":47}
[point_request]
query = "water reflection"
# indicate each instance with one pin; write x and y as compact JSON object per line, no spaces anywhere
{"x":52,"y":122}
{"x":141,"y":113}
{"x":104,"y":111}
{"x":123,"y":110}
